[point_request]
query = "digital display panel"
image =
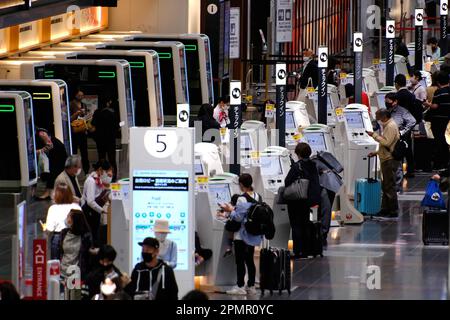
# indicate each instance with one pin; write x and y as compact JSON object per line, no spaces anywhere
{"x":290,"y":121}
{"x":316,"y":141}
{"x":246,"y":142}
{"x":139,"y":83}
{"x":166,"y":64}
{"x":10,"y":165}
{"x":354,"y":120}
{"x":219,"y":193}
{"x":161,"y":195}
{"x":381,"y":101}
{"x":198,"y":169}
{"x":271,"y":166}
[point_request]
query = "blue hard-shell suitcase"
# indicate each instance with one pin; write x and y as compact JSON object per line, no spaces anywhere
{"x":368,"y":193}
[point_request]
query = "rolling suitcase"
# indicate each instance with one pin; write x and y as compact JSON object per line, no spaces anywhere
{"x":368,"y":193}
{"x":275,"y":270}
{"x":314,"y":245}
{"x":435,"y":225}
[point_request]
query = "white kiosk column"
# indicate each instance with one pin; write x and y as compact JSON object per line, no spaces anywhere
{"x":162,"y":181}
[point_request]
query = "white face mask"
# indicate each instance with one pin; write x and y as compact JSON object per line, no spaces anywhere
{"x":161,"y":237}
{"x":106,"y":179}
{"x":78,"y":172}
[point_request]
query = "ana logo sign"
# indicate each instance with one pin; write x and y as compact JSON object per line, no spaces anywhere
{"x":391,"y":29}
{"x":323,"y":57}
{"x":444,"y":7}
{"x":236,"y":93}
{"x":358,"y":42}
{"x":419,"y":17}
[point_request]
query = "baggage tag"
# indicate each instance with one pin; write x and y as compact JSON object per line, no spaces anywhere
{"x":255,"y":158}
{"x":297,"y":137}
{"x":202,"y":184}
{"x":340,"y":115}
{"x":344,"y":78}
{"x":116,"y":191}
{"x":376,"y":64}
{"x":270,"y":111}
{"x":311,"y":92}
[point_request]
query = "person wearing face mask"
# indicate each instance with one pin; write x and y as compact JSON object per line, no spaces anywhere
{"x":105,"y":128}
{"x":78,"y":110}
{"x":167,"y":248}
{"x":70,"y":177}
{"x":105,"y":270}
{"x":389,"y":166}
{"x":57,"y":215}
{"x":221,"y":112}
{"x":152,"y":279}
{"x":96,"y":195}
{"x":406,"y":99}
{"x":405,"y":123}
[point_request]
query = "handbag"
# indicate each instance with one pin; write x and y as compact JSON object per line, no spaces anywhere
{"x":298,"y":190}
{"x":232,"y":225}
{"x":79,"y":126}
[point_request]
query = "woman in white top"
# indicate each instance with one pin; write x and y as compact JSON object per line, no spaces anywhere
{"x":416,"y":88}
{"x":57,"y":215}
{"x":96,"y":194}
{"x":221,"y":113}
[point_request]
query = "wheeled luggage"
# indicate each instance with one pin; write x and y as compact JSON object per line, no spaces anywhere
{"x":435,"y":226}
{"x":368,"y":193}
{"x":275,"y":270}
{"x":314,"y":245}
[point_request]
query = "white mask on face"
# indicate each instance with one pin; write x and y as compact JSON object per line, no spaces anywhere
{"x":78,"y":172}
{"x":161,"y":237}
{"x":106,"y":179}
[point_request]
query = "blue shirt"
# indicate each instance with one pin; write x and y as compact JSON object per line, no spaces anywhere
{"x":240,"y":215}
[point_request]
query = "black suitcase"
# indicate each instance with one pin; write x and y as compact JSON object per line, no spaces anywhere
{"x":435,"y":225}
{"x":275,"y":270}
{"x":314,"y":245}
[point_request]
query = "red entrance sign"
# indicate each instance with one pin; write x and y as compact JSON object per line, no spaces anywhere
{"x":40,"y":269}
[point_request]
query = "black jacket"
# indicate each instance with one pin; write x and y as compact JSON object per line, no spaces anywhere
{"x":407,"y":100}
{"x":143,"y":277}
{"x":311,"y":71}
{"x":309,"y":171}
{"x":106,"y":123}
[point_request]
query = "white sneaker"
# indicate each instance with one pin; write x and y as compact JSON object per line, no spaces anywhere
{"x":237,"y":291}
{"x":251,"y":290}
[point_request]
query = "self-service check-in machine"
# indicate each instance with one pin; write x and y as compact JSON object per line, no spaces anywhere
{"x":319,"y":137}
{"x":370,"y":84}
{"x":274,"y":165}
{"x":219,"y":272}
{"x":253,"y":141}
{"x":381,"y":94}
{"x":145,"y":75}
{"x":296,"y":120}
{"x":208,"y":162}
{"x":198,"y":61}
{"x":50,"y":106}
{"x":332,"y":104}
{"x":399,"y":68}
{"x":174,"y":79}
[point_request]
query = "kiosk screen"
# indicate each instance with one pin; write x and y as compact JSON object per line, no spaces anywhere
{"x":381,"y":102}
{"x":246,"y":142}
{"x":161,"y":195}
{"x":354,"y":120}
{"x":316,"y":141}
{"x":271,"y":166}
{"x":139,"y":81}
{"x":290,"y":121}
{"x":198,"y":169}
{"x":220,"y":193}
{"x":10,"y":165}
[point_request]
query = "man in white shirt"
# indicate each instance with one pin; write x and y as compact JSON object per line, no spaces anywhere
{"x":221,"y":112}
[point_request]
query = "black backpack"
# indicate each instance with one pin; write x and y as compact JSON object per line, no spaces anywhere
{"x":259,"y":219}
{"x":400,"y":149}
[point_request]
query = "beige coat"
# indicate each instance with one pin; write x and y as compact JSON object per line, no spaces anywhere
{"x":387,"y":140}
{"x":63,"y":178}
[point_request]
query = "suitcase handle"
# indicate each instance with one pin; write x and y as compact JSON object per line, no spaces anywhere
{"x":359,"y":197}
{"x":370,"y":180}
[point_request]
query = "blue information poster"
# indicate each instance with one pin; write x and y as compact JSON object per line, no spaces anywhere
{"x":161,"y":195}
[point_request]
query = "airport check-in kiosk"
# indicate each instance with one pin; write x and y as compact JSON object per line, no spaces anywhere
{"x":218,"y":272}
{"x":359,"y":145}
{"x":174,"y":80}
{"x":207,"y":160}
{"x":332,"y":104}
{"x":320,"y":138}
{"x":381,"y":94}
{"x":253,"y":139}
{"x":145,"y":75}
{"x":50,"y":106}
{"x":274,"y":166}
{"x":370,"y":83}
{"x":296,"y":120}
{"x":198,"y":61}
{"x":400,"y":67}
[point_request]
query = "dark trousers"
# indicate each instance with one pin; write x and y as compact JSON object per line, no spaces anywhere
{"x":79,"y":141}
{"x":55,"y":245}
{"x":108,"y":150}
{"x":441,"y":157}
{"x":244,"y":255}
{"x":388,"y":185}
{"x":409,"y":157}
{"x":325,"y":209}
{"x":93,"y":220}
{"x":298,"y":218}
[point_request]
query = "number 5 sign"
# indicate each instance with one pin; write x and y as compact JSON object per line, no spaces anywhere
{"x":160,"y":143}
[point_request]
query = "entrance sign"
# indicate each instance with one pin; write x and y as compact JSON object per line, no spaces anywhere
{"x":39,"y":269}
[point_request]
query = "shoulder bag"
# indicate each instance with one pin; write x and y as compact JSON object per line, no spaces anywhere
{"x":298,"y":190}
